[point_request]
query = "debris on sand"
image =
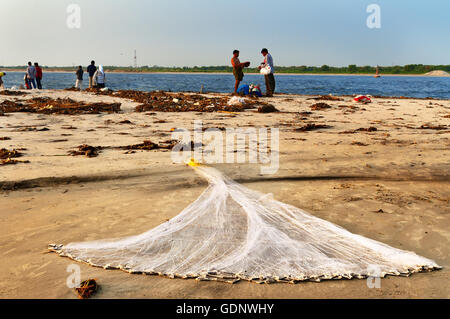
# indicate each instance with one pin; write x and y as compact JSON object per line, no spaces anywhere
{"x":10,"y":161}
{"x":359,"y":143}
{"x":353,"y":107}
{"x":319,"y":106}
{"x":432,"y":127}
{"x":5,"y":154}
{"x":93,"y":151}
{"x":268,"y":108}
{"x":361,"y":129}
{"x":13,"y":93}
{"x":6,"y":157}
{"x":326,"y":98}
{"x":363,"y":99}
{"x":311,"y":127}
{"x":5,"y":138}
{"x":87,"y":289}
{"x":98,"y":91}
{"x":86,"y":150}
{"x":148,"y":146}
{"x":33,"y":129}
{"x":47,"y":105}
{"x":236,"y":101}
{"x":11,"y":106}
{"x":369,"y":129}
{"x":72,"y":89}
{"x":161,"y":101}
{"x":125,"y":122}
{"x":68,"y":127}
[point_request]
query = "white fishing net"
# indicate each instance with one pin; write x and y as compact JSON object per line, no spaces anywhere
{"x":231,"y":232}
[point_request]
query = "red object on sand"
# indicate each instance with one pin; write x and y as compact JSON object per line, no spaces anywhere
{"x":363,"y":99}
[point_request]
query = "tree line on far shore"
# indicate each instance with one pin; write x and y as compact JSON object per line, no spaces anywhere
{"x":324,"y":69}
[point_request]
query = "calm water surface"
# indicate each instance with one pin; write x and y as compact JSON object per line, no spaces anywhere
{"x":436,"y":87}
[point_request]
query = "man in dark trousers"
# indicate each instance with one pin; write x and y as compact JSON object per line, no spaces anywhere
{"x":38,"y":75}
{"x":238,"y":69}
{"x":79,"y":74}
{"x":91,"y":70}
{"x":270,"y":79}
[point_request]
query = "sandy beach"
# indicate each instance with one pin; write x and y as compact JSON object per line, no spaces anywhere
{"x":380,"y":170}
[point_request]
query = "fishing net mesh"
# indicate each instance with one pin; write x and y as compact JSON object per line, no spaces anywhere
{"x":231,"y":232}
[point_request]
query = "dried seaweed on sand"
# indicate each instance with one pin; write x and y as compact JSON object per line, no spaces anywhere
{"x":147,"y":145}
{"x":87,"y":288}
{"x":161,"y":101}
{"x":361,"y":129}
{"x":5,"y":153}
{"x":269,"y":108}
{"x":86,"y":150}
{"x":46,"y":105}
{"x":432,"y":127}
{"x":7,"y":157}
{"x":325,"y":98}
{"x":13,"y":93}
{"x":311,"y":127}
{"x":320,"y":106}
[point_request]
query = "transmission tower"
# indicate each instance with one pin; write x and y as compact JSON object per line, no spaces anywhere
{"x":135,"y":60}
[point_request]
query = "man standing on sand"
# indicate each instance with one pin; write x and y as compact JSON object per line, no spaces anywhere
{"x":270,"y":79}
{"x":79,"y":82}
{"x":38,"y":75}
{"x":31,"y":76}
{"x":91,"y":69}
{"x":238,"y":69}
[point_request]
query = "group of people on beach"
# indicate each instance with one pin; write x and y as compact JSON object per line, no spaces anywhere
{"x":266,"y":65}
{"x":97,"y":76}
{"x":33,"y":76}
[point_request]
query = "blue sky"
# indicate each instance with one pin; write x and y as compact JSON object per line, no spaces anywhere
{"x":204,"y":32}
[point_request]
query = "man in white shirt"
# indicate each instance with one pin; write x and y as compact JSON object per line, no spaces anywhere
{"x":270,"y":79}
{"x":31,"y":75}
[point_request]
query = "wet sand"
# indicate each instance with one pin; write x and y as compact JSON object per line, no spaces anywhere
{"x":390,"y":184}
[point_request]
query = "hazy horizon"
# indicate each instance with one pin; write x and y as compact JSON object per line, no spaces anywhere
{"x":178,"y":33}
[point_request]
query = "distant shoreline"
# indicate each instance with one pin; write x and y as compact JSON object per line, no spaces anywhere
{"x":227,"y":73}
